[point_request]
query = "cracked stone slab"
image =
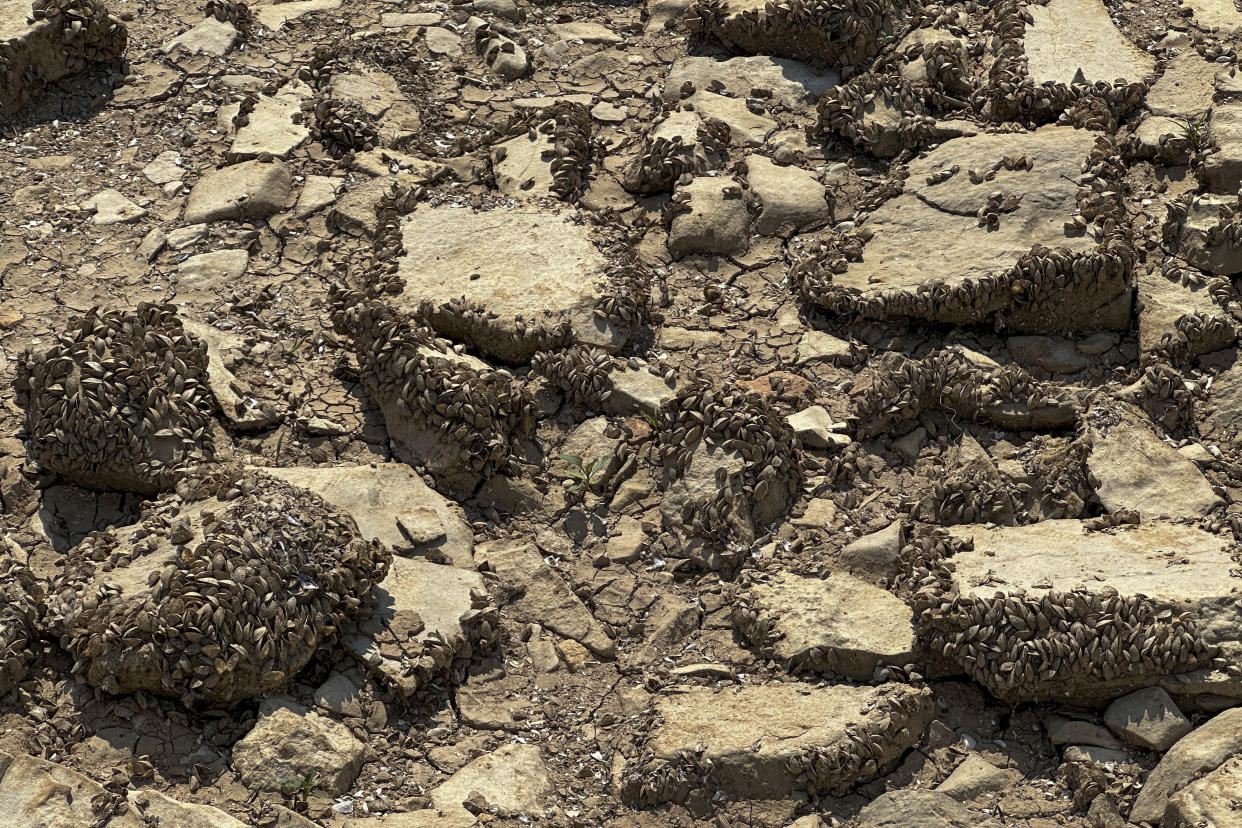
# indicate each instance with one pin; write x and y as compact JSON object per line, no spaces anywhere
{"x":1162,"y":303}
{"x":1068,"y":37}
{"x":249,"y":190}
{"x":36,"y":793}
{"x":275,"y":15}
{"x":538,"y":266}
{"x":792,"y":84}
{"x":209,"y":37}
{"x":271,"y":128}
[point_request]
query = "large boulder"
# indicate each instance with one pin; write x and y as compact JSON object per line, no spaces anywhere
{"x":219,"y":594}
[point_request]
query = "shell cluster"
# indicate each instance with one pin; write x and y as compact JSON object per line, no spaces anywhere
{"x":22,"y":601}
{"x":119,"y":401}
{"x":665,"y":159}
{"x":343,"y":127}
{"x":738,"y":421}
{"x":864,"y":751}
{"x":569,"y":128}
{"x":218,"y":594}
{"x":485,"y":414}
{"x":235,"y":12}
{"x":583,"y":374}
{"x":837,"y":32}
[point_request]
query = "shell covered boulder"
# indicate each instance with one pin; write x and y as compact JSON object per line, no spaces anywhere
{"x":219,"y":593}
{"x":119,"y":401}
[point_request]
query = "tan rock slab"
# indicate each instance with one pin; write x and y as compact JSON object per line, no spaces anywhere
{"x":1209,"y":802}
{"x":250,"y":190}
{"x":1195,"y":755}
{"x":1072,"y":36}
{"x":289,"y":742}
{"x":792,"y":84}
{"x":36,"y":793}
{"x":275,"y":15}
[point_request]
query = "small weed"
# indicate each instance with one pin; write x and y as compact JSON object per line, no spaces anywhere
{"x":583,"y":473}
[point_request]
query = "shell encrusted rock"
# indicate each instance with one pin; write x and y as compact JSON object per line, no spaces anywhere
{"x":119,"y":401}
{"x":220,"y":593}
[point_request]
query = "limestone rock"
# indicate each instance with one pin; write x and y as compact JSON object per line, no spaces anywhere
{"x":111,"y":207}
{"x":1212,"y":14}
{"x":1195,"y":755}
{"x":1223,"y":170}
{"x":205,"y":277}
{"x":250,"y":190}
{"x":974,"y":776}
{"x":815,"y":427}
{"x":379,"y":496}
{"x":1147,"y":718}
{"x":585,"y":31}
{"x":244,"y":413}
{"x":318,"y":191}
{"x":838,"y":624}
{"x":746,"y":127}
{"x":717,"y":221}
{"x":36,"y":793}
{"x":1209,"y":802}
{"x":1132,"y":468}
{"x":636,"y":390}
{"x":1072,"y":36}
{"x":210,"y":37}
{"x":441,"y":41}
{"x":875,"y":557}
{"x":1192,"y":238}
{"x":1053,"y":354}
{"x":270,"y":128}
{"x":755,"y":737}
{"x":513,"y":779}
{"x":1165,"y":306}
{"x":800,"y":31}
{"x":274,"y":15}
{"x":167,"y":811}
{"x":545,"y":598}
{"x":791,"y":199}
{"x":929,"y":236}
{"x":920,"y":809}
{"x":289,"y":742}
{"x":817,"y":346}
{"x":511,"y":263}
{"x":792,"y":84}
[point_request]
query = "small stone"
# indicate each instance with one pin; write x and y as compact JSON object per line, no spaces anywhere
{"x":815,"y":427}
{"x":288,"y":742}
{"x":110,"y":207}
{"x":1147,"y":718}
{"x":210,"y":37}
{"x":575,"y":655}
{"x":253,"y":189}
{"x":152,"y":243}
{"x":1092,"y":754}
{"x":909,"y":445}
{"x":920,"y":809}
{"x":164,"y":168}
{"x":340,"y":695}
{"x":1062,"y":731}
{"x":585,"y":31}
{"x":608,"y":113}
{"x":220,"y":266}
{"x":441,"y":41}
{"x":875,"y":557}
{"x":421,"y":525}
{"x":1054,"y":354}
{"x":973,"y":777}
{"x":318,"y":191}
{"x":792,"y":199}
{"x":543,"y":656}
{"x":717,"y":222}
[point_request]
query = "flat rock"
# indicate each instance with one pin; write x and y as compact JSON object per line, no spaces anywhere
{"x":380,"y":497}
{"x":756,"y":27}
{"x":522,"y":165}
{"x":1072,"y":36}
{"x":929,"y":234}
{"x":746,"y":128}
{"x":875,"y":557}
{"x":416,"y":602}
{"x":441,"y":41}
{"x":513,"y":263}
{"x":974,"y":776}
{"x":717,"y":222}
{"x":289,"y":742}
{"x":817,"y":346}
{"x":36,"y":793}
{"x":242,"y":411}
{"x":791,"y":199}
{"x":111,"y":207}
{"x":1062,"y":731}
{"x":210,"y":37}
{"x":339,"y":695}
{"x":815,"y":427}
{"x":1215,"y":14}
{"x":164,"y":168}
{"x":751,"y":734}
{"x":1191,"y":238}
{"x":920,"y":809}
{"x":401,"y":20}
{"x":1147,"y":718}
{"x":1054,"y":354}
{"x":1222,"y":171}
{"x":271,"y":128}
{"x":636,"y":390}
{"x":206,"y":273}
{"x":585,"y":31}
{"x":545,"y":597}
{"x":513,"y":779}
{"x":1163,"y":303}
{"x":250,"y":190}
{"x":275,"y":15}
{"x":792,"y":84}
{"x":1195,"y":755}
{"x":1222,"y":418}
{"x":318,"y":191}
{"x":1134,"y":469}
{"x":165,"y":810}
{"x":1209,"y":802}
{"x":837,"y":624}
{"x":1186,"y":88}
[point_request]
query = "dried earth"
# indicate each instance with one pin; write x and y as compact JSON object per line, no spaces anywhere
{"x":628,"y":414}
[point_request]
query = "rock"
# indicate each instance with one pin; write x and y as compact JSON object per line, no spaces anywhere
{"x":817,"y":346}
{"x":664,"y":14}
{"x":164,"y":810}
{"x":752,"y":735}
{"x":250,"y":190}
{"x":1212,"y":14}
{"x":636,"y":390}
{"x":1147,"y":718}
{"x":746,"y":128}
{"x":667,"y":625}
{"x":626,"y":542}
{"x":1181,"y":97}
{"x":1056,"y":560}
{"x":270,"y":128}
{"x":164,"y":168}
{"x":791,"y":199}
{"x":513,"y":779}
{"x":585,"y":31}
{"x":706,"y":477}
{"x":442,"y":42}
{"x":838,"y":624}
{"x":1192,"y":238}
{"x":1133,"y":469}
{"x":514,"y":263}
{"x":288,"y":742}
{"x":384,"y":162}
{"x":974,"y":776}
{"x":208,"y":273}
{"x":876,"y":557}
{"x":152,"y":243}
{"x":1222,"y":420}
{"x":545,"y":598}
{"x":816,"y":428}
{"x":187,"y":236}
{"x":36,"y":793}
{"x":1195,"y":755}
{"x":523,"y":165}
{"x":318,"y":191}
{"x":243,"y":413}
{"x":1093,"y":755}
{"x":416,"y":636}
{"x":1165,"y":305}
{"x":339,"y":695}
{"x":1062,"y":731}
{"x":38,"y":52}
{"x":1067,"y":37}
{"x":1209,"y":802}
{"x":1222,"y":171}
{"x":911,"y":444}
{"x":717,"y":221}
{"x":275,"y":15}
{"x":609,"y":114}
{"x":543,"y":656}
{"x":506,"y":9}
{"x":1054,"y":354}
{"x":402,"y":20}
{"x":595,"y":449}
{"x":111,"y":207}
{"x":930,"y":235}
{"x":920,"y":809}
{"x":380,"y":496}
{"x":210,"y":37}
{"x":793,"y":85}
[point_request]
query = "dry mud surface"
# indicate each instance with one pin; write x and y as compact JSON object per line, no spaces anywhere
{"x":699,"y":413}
